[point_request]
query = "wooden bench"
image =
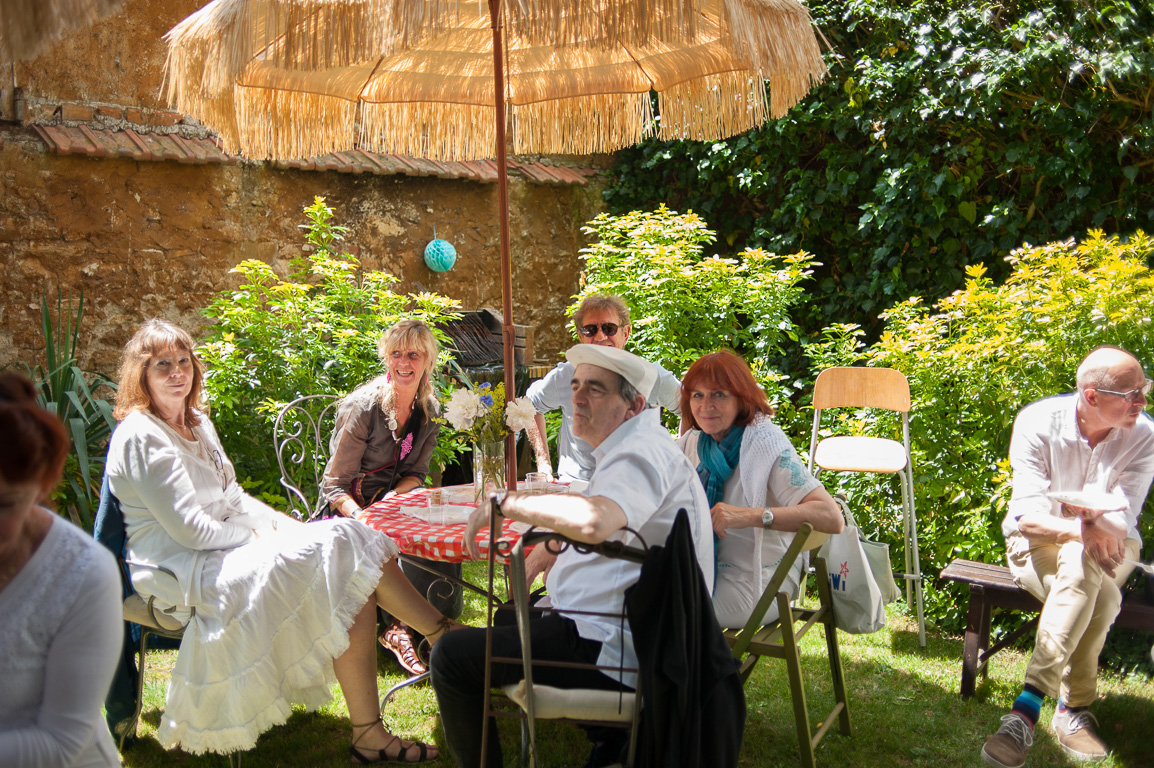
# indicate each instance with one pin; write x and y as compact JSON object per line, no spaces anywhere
{"x":991,"y":586}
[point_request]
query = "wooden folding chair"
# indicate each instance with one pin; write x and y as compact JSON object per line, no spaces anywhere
{"x":780,"y":640}
{"x":889,"y":390}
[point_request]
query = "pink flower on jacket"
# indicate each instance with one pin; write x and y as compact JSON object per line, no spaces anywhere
{"x":406,"y":445}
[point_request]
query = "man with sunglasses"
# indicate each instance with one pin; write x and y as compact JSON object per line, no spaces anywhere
{"x":1095,"y":449}
{"x":600,"y":319}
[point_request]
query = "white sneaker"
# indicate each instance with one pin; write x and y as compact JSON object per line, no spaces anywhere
{"x":1077,"y":736}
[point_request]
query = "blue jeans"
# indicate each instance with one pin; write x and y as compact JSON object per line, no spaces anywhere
{"x":458,"y":667}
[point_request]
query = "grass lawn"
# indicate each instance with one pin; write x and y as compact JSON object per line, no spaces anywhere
{"x":904,"y":708}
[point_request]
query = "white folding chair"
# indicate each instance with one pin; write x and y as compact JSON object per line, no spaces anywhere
{"x":889,"y":390}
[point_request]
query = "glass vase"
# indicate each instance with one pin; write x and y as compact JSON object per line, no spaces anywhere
{"x":488,"y":468}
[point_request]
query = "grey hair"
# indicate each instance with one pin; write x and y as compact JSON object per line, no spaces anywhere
{"x":601,"y":301}
{"x":627,"y":390}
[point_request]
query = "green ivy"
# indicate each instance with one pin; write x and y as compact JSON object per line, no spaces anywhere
{"x":947,"y":134}
{"x":314,"y":332}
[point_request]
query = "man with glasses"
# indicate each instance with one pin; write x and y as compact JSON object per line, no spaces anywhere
{"x":1094,"y":448}
{"x":604,"y":320}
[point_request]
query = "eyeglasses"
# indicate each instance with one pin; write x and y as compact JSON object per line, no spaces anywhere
{"x":1134,"y":395}
{"x":589,"y":331}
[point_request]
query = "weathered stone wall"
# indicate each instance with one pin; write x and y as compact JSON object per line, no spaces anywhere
{"x":159,"y":238}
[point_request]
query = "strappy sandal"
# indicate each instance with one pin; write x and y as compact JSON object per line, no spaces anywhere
{"x":396,"y":638}
{"x":366,"y":757}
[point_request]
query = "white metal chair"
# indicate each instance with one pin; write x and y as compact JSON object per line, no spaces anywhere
{"x":301,"y":441}
{"x":534,"y":701}
{"x":889,"y":390}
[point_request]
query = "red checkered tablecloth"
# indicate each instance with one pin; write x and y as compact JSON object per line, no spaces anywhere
{"x":445,"y":543}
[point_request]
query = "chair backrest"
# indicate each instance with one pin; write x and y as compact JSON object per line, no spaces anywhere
{"x":301,"y":441}
{"x":862,"y":388}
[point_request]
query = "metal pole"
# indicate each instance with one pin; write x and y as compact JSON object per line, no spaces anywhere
{"x":508,"y":335}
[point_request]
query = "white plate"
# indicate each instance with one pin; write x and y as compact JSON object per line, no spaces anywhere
{"x":1096,"y":500}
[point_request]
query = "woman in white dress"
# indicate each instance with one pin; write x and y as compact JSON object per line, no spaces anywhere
{"x":61,"y":630}
{"x":759,"y":490}
{"x":276,"y":608}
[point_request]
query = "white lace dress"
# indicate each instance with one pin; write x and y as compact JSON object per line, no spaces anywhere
{"x":273,"y":598}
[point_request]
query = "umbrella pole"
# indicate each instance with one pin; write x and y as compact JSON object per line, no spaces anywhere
{"x":508,"y":335}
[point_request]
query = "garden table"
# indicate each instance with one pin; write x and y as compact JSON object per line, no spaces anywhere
{"x":420,"y":538}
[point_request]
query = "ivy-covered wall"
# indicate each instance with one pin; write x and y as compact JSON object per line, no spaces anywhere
{"x":947,"y":134}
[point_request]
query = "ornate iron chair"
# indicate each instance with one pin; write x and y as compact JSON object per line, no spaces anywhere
{"x":301,"y":441}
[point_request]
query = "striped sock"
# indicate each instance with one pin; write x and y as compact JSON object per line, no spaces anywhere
{"x":1029,"y":704}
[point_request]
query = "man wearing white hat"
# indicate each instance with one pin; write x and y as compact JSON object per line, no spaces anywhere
{"x":640,"y":481}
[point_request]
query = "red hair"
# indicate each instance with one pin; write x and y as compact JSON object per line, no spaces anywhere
{"x":35,"y":443}
{"x":724,"y":370}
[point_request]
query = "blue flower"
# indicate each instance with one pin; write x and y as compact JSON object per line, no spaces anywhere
{"x":485,"y":386}
{"x":487,"y":401}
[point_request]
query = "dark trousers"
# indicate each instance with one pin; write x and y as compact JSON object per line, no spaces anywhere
{"x":458,"y":666}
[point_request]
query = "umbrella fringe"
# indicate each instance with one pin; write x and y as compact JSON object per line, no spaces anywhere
{"x":446,"y":132}
{"x":717,"y":106}
{"x":593,"y":124}
{"x":292,"y":124}
{"x":606,"y":23}
{"x":773,"y":36}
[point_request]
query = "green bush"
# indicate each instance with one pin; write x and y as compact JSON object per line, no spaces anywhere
{"x":947,"y":134}
{"x":973,"y":361}
{"x":315,"y":332}
{"x":684,"y":304}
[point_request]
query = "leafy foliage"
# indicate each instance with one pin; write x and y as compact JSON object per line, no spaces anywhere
{"x":315,"y":332}
{"x":684,"y":304}
{"x":947,"y":134}
{"x":973,"y":361}
{"x":82,"y":400}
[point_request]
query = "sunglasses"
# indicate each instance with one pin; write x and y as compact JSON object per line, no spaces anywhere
{"x":589,"y":331}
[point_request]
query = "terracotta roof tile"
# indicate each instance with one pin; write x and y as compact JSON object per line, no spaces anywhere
{"x":97,"y":142}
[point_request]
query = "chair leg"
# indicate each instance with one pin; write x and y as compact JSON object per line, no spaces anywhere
{"x":913,"y":556}
{"x":403,"y":684}
{"x":130,"y":728}
{"x":836,"y":671}
{"x":800,"y":709}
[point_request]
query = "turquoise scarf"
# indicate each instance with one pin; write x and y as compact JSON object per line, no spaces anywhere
{"x":718,"y":460}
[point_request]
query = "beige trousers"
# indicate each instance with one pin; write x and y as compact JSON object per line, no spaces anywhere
{"x":1080,"y":603}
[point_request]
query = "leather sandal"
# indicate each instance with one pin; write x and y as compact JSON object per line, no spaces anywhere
{"x":403,"y":756}
{"x":396,"y":638}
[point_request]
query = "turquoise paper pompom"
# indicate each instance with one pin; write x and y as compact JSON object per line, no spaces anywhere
{"x":440,"y":255}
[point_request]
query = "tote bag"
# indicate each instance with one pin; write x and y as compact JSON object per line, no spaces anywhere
{"x":858,"y":607}
{"x":877,"y":554}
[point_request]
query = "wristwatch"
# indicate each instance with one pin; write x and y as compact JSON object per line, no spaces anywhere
{"x":767,"y":518}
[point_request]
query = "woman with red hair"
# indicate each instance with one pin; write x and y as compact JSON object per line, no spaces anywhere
{"x":60,"y":598}
{"x":759,"y":490}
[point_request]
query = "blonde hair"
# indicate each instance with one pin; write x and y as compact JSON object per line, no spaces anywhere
{"x":152,"y":339}
{"x":412,"y":334}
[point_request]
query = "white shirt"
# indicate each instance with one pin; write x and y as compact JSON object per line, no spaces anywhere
{"x":1049,"y":453}
{"x":60,"y":642}
{"x":575,"y":456}
{"x":180,"y":501}
{"x":641,"y":469}
{"x":769,"y":474}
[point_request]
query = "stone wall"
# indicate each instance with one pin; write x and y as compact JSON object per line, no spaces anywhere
{"x":159,"y":238}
